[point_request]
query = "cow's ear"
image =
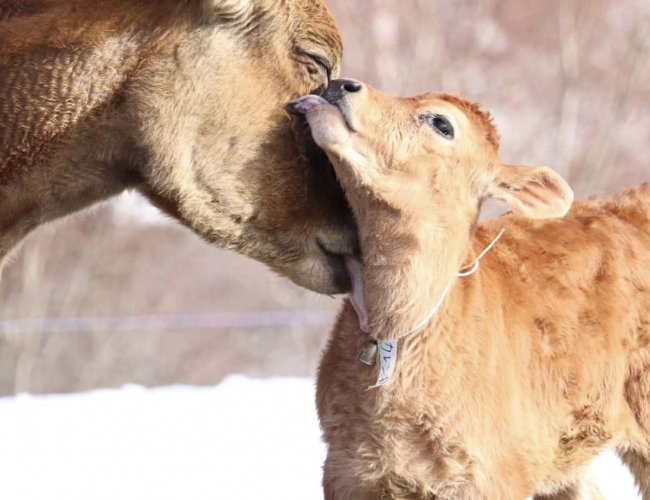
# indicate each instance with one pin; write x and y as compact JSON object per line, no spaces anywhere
{"x":535,"y":192}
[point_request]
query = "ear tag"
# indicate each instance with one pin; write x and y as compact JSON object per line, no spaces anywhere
{"x":368,"y":353}
{"x":387,"y":359}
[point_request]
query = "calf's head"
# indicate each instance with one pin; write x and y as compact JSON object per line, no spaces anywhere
{"x":433,"y":158}
{"x":415,"y":171}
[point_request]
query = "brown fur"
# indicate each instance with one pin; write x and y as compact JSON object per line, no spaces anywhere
{"x":181,"y":100}
{"x":532,"y":366}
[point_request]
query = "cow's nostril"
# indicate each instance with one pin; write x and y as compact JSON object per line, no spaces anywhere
{"x":351,"y":86}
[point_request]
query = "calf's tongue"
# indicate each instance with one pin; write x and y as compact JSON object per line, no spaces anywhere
{"x":305,"y":103}
{"x":355,"y":270}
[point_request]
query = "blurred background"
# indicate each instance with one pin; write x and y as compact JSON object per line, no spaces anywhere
{"x":120,"y":294}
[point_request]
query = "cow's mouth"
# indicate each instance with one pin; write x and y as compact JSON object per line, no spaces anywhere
{"x":354,"y":269}
{"x":337,"y":263}
{"x":303,"y":105}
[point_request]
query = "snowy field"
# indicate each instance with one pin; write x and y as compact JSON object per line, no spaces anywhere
{"x":243,"y":439}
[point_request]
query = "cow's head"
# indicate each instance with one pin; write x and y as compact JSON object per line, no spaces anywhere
{"x":220,"y":152}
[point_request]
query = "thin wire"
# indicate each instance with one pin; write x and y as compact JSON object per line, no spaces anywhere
{"x":167,"y":322}
{"x":471,"y":269}
{"x":431,"y":314}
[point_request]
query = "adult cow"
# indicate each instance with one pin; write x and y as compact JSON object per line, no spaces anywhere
{"x":183,"y":101}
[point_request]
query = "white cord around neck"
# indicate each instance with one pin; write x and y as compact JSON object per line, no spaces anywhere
{"x":471,"y":269}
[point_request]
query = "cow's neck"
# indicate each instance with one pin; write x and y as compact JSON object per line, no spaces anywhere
{"x":62,"y":154}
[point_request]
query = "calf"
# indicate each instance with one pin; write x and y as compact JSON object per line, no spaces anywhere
{"x":495,"y":381}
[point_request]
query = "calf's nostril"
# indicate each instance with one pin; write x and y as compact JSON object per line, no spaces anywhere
{"x":351,"y":86}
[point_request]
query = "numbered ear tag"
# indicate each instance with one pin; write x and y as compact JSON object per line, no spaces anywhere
{"x":368,"y":353}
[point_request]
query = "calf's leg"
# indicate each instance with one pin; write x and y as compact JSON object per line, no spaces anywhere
{"x":636,"y":455}
{"x":640,"y":467}
{"x":585,"y":489}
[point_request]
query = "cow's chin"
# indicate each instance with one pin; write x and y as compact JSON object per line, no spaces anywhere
{"x":322,"y":273}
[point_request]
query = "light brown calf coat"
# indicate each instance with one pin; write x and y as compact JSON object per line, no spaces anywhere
{"x":532,"y":365}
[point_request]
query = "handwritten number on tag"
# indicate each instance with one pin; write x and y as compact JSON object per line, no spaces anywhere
{"x":387,"y":360}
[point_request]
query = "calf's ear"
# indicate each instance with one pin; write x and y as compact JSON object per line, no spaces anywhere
{"x":535,"y":192}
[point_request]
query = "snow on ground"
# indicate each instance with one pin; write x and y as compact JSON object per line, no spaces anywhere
{"x":243,"y":439}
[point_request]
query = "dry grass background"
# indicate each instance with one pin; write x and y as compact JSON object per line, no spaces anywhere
{"x":566,"y":81}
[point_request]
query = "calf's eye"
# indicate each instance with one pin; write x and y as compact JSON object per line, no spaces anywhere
{"x":440,"y":124}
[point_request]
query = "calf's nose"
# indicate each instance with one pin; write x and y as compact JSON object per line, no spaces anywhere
{"x":343,"y":86}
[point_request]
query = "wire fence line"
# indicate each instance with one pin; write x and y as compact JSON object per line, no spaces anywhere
{"x":167,"y":322}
